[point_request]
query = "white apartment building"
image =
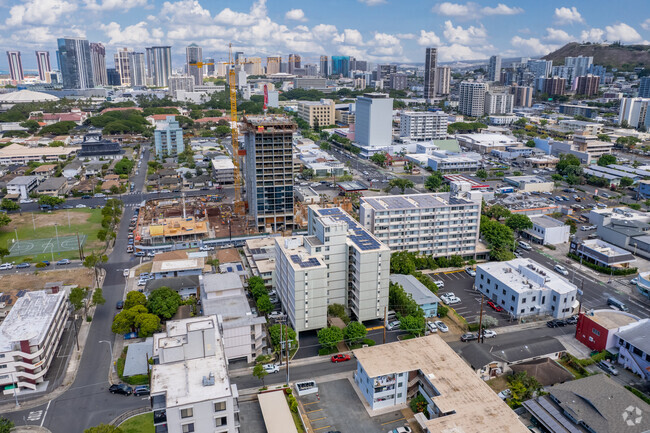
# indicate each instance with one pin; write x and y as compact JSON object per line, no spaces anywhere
{"x":524,"y":288}
{"x":223,"y":170}
{"x":423,"y":125}
{"x":499,"y":102}
{"x":260,"y":255}
{"x":29,"y":336}
{"x":22,"y":185}
{"x":438,"y":224}
{"x":471,"y":98}
{"x":338,"y":262}
{"x":374,"y":120}
{"x":634,"y":112}
{"x":190,"y":387}
{"x":317,"y":113}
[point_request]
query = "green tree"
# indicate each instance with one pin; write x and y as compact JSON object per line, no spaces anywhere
{"x":91,"y":261}
{"x":530,"y":143}
{"x":519,"y":222}
{"x":31,"y":125}
{"x":522,"y":121}
{"x":58,"y":128}
{"x":134,"y":298}
{"x":497,"y":212}
{"x":56,"y":143}
{"x":98,"y":297}
{"x":147,"y":324}
{"x":400,"y":183}
{"x":222,"y":130}
{"x":412,"y":324}
{"x":9,"y":205}
{"x":49,"y":200}
{"x":568,"y":162}
{"x":325,"y":145}
{"x":164,"y":302}
{"x":572,"y":226}
{"x":259,"y":372}
{"x":330,"y":337}
{"x":401,"y":262}
{"x":76,"y":297}
{"x":481,"y":174}
{"x":308,"y":173}
{"x":379,"y":158}
{"x":264,"y":304}
{"x":287,"y":333}
{"x":103,"y":428}
{"x":354,"y":332}
{"x":4,"y":219}
{"x":499,"y":237}
{"x":606,"y":160}
{"x":604,"y":137}
{"x":256,"y":287}
{"x":433,"y":182}
{"x":4,"y":252}
{"x":522,"y":388}
{"x":624,"y":182}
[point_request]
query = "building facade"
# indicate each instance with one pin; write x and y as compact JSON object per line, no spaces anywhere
{"x":423,"y":125}
{"x":317,"y":113}
{"x":98,"y":60}
{"x":269,"y":170}
{"x":22,"y":185}
{"x":15,"y":66}
{"x":443,"y":80}
{"x":523,"y":96}
{"x":587,"y":85}
{"x":554,"y":86}
{"x":548,"y":231}
{"x":273,"y":65}
{"x":159,"y":65}
{"x":341,"y":65}
{"x":44,"y":67}
{"x":471,"y":99}
{"x":494,"y":69}
{"x":194,"y":55}
{"x":294,"y":62}
{"x":430,"y":80}
{"x":580,"y":64}
{"x":596,"y":329}
{"x":498,"y":102}
{"x":374,"y":120}
{"x":168,"y":138}
{"x":324,"y":66}
{"x":634,"y":347}
{"x":644,"y":87}
{"x":633,"y":111}
{"x":75,"y":63}
{"x":183,"y":83}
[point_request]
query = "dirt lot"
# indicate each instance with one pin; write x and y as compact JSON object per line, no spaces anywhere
{"x":42,"y":219}
{"x":12,"y":283}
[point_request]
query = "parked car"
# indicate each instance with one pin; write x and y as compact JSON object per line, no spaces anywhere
{"x":126,"y":272}
{"x":63,"y":262}
{"x":6,"y":266}
{"x":471,"y":272}
{"x":22,"y":265}
{"x":469,"y":336}
{"x":585,"y":228}
{"x":441,"y":325}
{"x":571,"y":320}
{"x":404,"y":429}
{"x":340,"y":357}
{"x":271,"y":368}
{"x":555,"y":323}
{"x":46,"y":262}
{"x":607,"y":367}
{"x":432,"y":327}
{"x":141,"y":390}
{"x":494,"y":306}
{"x":139,"y":254}
{"x":525,"y":245}
{"x":393,"y":325}
{"x":488,"y":333}
{"x":439,"y":283}
{"x":450,"y":300}
{"x":119,"y":305}
{"x":634,"y":281}
{"x":506,"y":393}
{"x":120,"y":388}
{"x":561,"y":270}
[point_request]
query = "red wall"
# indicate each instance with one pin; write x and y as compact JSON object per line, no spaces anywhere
{"x":584,"y":330}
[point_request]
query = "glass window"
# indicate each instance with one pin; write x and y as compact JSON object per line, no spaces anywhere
{"x":186,"y":413}
{"x":188,"y":428}
{"x":220,"y":421}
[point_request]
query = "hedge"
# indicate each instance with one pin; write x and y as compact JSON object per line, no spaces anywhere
{"x":638,"y":393}
{"x":603,"y":269}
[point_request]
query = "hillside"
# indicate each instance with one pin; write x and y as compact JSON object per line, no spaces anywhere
{"x":623,"y":57}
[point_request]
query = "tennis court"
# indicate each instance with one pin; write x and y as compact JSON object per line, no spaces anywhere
{"x":46,"y":245}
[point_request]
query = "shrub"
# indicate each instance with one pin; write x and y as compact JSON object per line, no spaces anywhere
{"x":89,"y":318}
{"x":419,"y":404}
{"x":40,"y":265}
{"x":443,"y":310}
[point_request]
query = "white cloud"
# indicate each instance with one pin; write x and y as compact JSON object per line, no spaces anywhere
{"x":501,"y":9}
{"x":373,"y":2}
{"x":532,"y":46}
{"x":428,"y":39}
{"x":557,"y":35}
{"x":455,"y":52}
{"x":39,"y":12}
{"x":646,"y":24}
{"x":449,"y":9}
{"x":136,"y":35}
{"x":296,"y":15}
{"x":566,"y":15}
{"x":470,"y":36}
{"x":406,"y":36}
{"x":350,"y":37}
{"x":111,"y":5}
{"x":592,"y":35}
{"x":622,"y":32}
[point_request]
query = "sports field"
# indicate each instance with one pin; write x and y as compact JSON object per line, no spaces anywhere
{"x":37,"y":234}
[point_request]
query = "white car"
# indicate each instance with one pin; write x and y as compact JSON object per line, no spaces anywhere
{"x":393,"y":325}
{"x":432,"y":327}
{"x":634,"y":281}
{"x":142,"y":282}
{"x":26,"y":200}
{"x":404,"y":429}
{"x":439,"y":283}
{"x":81,"y":206}
{"x":6,"y":266}
{"x":126,"y":272}
{"x":440,"y":325}
{"x":471,"y":272}
{"x":488,"y":333}
{"x":271,"y":368}
{"x":450,"y":300}
{"x":585,"y":228}
{"x":506,"y":393}
{"x":561,"y":270}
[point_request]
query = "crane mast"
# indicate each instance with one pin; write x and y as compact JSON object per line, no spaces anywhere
{"x":234,"y":133}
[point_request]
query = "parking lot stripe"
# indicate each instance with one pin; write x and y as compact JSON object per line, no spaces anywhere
{"x":315,"y":410}
{"x":374,"y":328}
{"x":395,"y":420}
{"x":321,"y":428}
{"x":317,"y":419}
{"x":313,"y":402}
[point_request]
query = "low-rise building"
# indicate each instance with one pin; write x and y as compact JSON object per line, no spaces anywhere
{"x":22,"y":186}
{"x":524,"y":288}
{"x":486,"y":143}
{"x":317,"y":113}
{"x":446,"y":162}
{"x":165,"y":268}
{"x":18,"y":154}
{"x":95,"y":148}
{"x":223,"y":170}
{"x":44,"y":171}
{"x":596,"y":328}
{"x":29,"y":336}
{"x":190,"y":388}
{"x":542,"y":161}
{"x":187,"y":286}
{"x":530,"y":183}
{"x":260,"y":255}
{"x":54,"y":186}
{"x":425,"y":298}
{"x":633,"y":344}
{"x":601,"y":253}
{"x":387,"y":375}
{"x":547,"y":231}
{"x":643,"y":189}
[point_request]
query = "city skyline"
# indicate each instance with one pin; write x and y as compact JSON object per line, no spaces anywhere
{"x":388,"y":33}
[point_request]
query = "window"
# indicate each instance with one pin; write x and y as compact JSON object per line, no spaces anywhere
{"x":220,"y":421}
{"x":3,"y":366}
{"x":543,"y":299}
{"x":512,"y":298}
{"x":534,"y":298}
{"x":488,"y":281}
{"x":554,"y":298}
{"x":399,"y":395}
{"x":187,"y":413}
{"x":523,"y":301}
{"x":503,"y":291}
{"x":187,"y":428}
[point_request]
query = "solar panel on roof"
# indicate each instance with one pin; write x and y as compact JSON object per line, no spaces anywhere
{"x":21,"y":293}
{"x":4,"y":298}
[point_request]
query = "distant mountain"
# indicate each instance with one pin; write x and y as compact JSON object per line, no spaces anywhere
{"x":623,"y":57}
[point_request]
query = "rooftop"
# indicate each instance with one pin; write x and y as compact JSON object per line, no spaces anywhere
{"x":488,"y":139}
{"x":546,"y":221}
{"x":418,"y":291}
{"x":223,"y":164}
{"x":412,"y":201}
{"x":276,"y":413}
{"x":358,"y":235}
{"x":525,"y":179}
{"x":29,"y":319}
{"x":523,"y":275}
{"x":177,"y":265}
{"x":223,"y":295}
{"x":473,"y":405}
{"x":228,"y":255}
{"x":22,"y":180}
{"x":637,"y":335}
{"x":611,"y":319}
{"x":179,"y":226}
{"x":299,"y":258}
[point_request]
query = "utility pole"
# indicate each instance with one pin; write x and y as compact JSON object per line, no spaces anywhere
{"x":287,"y":349}
{"x":480,"y":322}
{"x":385,"y":317}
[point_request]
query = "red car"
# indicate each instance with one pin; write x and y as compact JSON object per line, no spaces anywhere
{"x":495,"y":306}
{"x":340,"y":358}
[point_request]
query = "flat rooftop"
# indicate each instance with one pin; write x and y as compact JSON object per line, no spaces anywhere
{"x":299,"y":258}
{"x":476,"y":407}
{"x":170,"y":227}
{"x":522,"y":275}
{"x":177,"y":265}
{"x":413,"y":201}
{"x":29,"y":319}
{"x":357,"y":235}
{"x":546,"y":221}
{"x":612,"y":319}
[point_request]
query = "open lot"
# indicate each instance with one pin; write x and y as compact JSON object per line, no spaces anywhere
{"x":11,"y":283}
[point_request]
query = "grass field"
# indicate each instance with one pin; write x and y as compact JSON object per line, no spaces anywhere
{"x":138,"y":424}
{"x":38,"y":225}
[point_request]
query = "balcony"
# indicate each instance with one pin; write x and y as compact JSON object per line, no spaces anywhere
{"x":161,"y":428}
{"x":389,"y":379}
{"x":159,"y":416}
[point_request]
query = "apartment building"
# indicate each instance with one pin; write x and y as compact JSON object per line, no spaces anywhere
{"x":498,"y":102}
{"x":269,"y":170}
{"x":338,"y":262}
{"x":438,"y":224}
{"x":317,"y":113}
{"x":423,"y":125}
{"x":29,"y":336}
{"x":260,"y":255}
{"x":471,"y":99}
{"x":22,"y":186}
{"x":190,"y":388}
{"x":524,"y":288}
{"x":168,"y":138}
{"x":223,"y":170}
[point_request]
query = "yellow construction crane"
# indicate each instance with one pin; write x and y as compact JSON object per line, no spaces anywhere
{"x":200,"y":64}
{"x":239,"y":206}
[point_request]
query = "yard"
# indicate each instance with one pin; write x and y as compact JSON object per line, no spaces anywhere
{"x":138,"y":424}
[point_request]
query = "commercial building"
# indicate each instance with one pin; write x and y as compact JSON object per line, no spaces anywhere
{"x":471,"y":99}
{"x":159,"y":65}
{"x":430,"y":79}
{"x":317,"y":113}
{"x":601,"y":253}
{"x":123,"y":65}
{"x":75,"y":63}
{"x":374,"y":120}
{"x":580,"y":126}
{"x":443,"y":80}
{"x":547,"y":231}
{"x":18,"y":154}
{"x":633,"y":344}
{"x":168,"y":138}
{"x":554,"y":86}
{"x":338,"y":262}
{"x":190,"y":388}
{"x":223,"y":170}
{"x":494,"y":69}
{"x":324,"y":66}
{"x":15,"y":66}
{"x":423,"y":125}
{"x":498,"y":102}
{"x":44,"y":67}
{"x":438,"y":224}
{"x":578,"y":110}
{"x":523,"y":96}
{"x":29,"y":336}
{"x":113,"y":77}
{"x":273,"y":65}
{"x":388,"y":375}
{"x":98,"y":61}
{"x":22,"y":185}
{"x":596,"y":328}
{"x":633,"y":111}
{"x":180,"y":83}
{"x":420,"y":293}
{"x":580,"y":64}
{"x":269,"y":170}
{"x":449,"y":162}
{"x":524,"y":288}
{"x":486,"y":143}
{"x":194,"y":55}
{"x":341,"y":65}
{"x":294,"y":63}
{"x":587,"y":85}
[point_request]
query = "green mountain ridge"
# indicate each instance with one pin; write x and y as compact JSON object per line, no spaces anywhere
{"x":623,"y":57}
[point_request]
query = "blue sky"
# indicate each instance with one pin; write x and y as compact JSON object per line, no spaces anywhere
{"x":374,"y":30}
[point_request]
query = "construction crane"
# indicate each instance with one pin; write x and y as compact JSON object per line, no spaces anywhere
{"x":200,"y":64}
{"x":239,"y":206}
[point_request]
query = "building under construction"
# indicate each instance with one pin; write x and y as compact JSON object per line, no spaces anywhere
{"x":268,"y":141}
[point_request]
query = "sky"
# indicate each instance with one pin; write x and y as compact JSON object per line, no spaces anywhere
{"x":373,"y":30}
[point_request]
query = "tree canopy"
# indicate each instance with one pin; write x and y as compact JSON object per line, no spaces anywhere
{"x":519,"y":222}
{"x":164,"y":302}
{"x":499,"y":237}
{"x":330,"y":337}
{"x":134,"y":298}
{"x":567,"y":164}
{"x":400,"y":183}
{"x":58,"y":128}
{"x":354,"y":332}
{"x":433,"y":182}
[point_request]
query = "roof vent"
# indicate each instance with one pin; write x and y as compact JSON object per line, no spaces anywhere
{"x":209,"y":380}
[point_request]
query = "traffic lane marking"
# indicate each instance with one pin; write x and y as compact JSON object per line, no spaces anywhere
{"x":390,"y":422}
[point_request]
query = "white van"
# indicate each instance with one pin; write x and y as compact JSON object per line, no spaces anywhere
{"x":525,"y":245}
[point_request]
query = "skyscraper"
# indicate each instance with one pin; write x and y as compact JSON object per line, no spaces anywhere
{"x":159,"y":65}
{"x":644,"y":87}
{"x":273,"y":65}
{"x":44,"y":67}
{"x":138,"y":74}
{"x":123,"y":65}
{"x":194,"y":54}
{"x":374,"y":120}
{"x":540,"y":68}
{"x":443,"y":80}
{"x":341,"y":65}
{"x":471,"y":99}
{"x":494,"y":69}
{"x":15,"y":66}
{"x":239,"y":57}
{"x":210,"y":67}
{"x":587,"y":85}
{"x":113,"y":77}
{"x":580,"y":64}
{"x":75,"y":63}
{"x":98,"y":60}
{"x":294,"y":62}
{"x":430,"y":63}
{"x":324,"y":66}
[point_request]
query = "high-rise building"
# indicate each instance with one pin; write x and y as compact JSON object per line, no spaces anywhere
{"x":358,"y":65}
{"x":580,"y":64}
{"x":44,"y":67}
{"x":317,"y":113}
{"x":295,"y":62}
{"x":587,"y":85}
{"x":159,"y":65}
{"x":210,"y":66}
{"x":398,"y":81}
{"x":113,"y":77}
{"x":123,"y":65}
{"x":138,"y":71}
{"x":443,"y":80}
{"x":15,"y":66}
{"x":554,"y":86}
{"x":566,"y":72}
{"x":324,"y":66}
{"x":98,"y":60}
{"x":540,"y":68}
{"x":168,"y":138}
{"x":253,"y":65}
{"x":180,"y":82}
{"x":634,"y":111}
{"x":269,"y":170}
{"x":423,"y":125}
{"x":75,"y":64}
{"x":430,"y":64}
{"x":273,"y":65}
{"x":523,"y":95}
{"x":384,"y":71}
{"x":644,"y":87}
{"x":494,"y":69}
{"x":374,"y":120}
{"x":471,"y":99}
{"x":337,"y":262}
{"x":239,"y":57}
{"x":341,"y":65}
{"x":498,"y":102}
{"x":194,"y":55}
